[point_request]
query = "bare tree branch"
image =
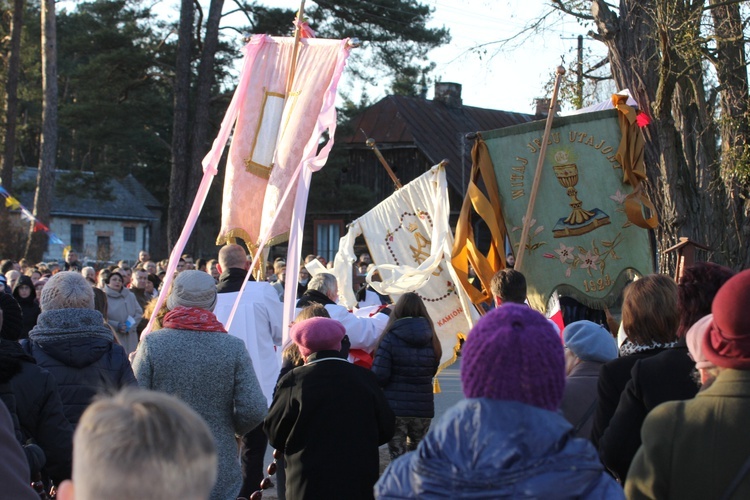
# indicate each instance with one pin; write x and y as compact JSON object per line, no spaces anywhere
{"x":559,"y":5}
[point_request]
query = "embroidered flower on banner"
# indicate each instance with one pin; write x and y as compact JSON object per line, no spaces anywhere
{"x":565,"y":253}
{"x":618,"y":197}
{"x":589,"y":261}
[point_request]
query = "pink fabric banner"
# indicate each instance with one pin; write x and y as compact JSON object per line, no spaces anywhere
{"x":256,"y":111}
{"x":275,"y":132}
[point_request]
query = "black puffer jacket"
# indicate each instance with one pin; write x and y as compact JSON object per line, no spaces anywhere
{"x":38,"y":408}
{"x":78,"y":349}
{"x":404,"y":365}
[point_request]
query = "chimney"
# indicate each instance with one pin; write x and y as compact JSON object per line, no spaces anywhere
{"x":448,"y":93}
{"x":542,"y":107}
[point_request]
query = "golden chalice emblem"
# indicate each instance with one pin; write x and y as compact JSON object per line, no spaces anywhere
{"x":567,"y":176}
{"x":578,"y":220}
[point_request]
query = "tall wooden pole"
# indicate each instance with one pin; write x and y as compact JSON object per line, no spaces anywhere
{"x":371,"y":144}
{"x":295,"y":50}
{"x":538,"y":173}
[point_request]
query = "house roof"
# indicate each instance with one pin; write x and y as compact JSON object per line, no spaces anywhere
{"x":140,"y":192}
{"x":121,"y":204}
{"x":435,"y":128}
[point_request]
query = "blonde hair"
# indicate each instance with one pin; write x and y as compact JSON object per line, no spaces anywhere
{"x":143,"y":445}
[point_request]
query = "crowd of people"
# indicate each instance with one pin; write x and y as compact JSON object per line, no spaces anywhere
{"x":651,"y":406}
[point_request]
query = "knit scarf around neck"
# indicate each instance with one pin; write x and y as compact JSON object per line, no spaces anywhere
{"x":192,"y":318}
{"x":627,"y":348}
{"x":69,"y":323}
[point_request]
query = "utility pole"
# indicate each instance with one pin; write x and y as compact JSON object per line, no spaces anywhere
{"x":579,"y":71}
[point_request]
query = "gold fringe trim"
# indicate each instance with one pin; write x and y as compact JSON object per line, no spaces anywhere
{"x":460,"y":337}
{"x":231,"y":235}
{"x":278,"y":239}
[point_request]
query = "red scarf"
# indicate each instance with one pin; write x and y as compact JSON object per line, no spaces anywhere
{"x":192,"y":318}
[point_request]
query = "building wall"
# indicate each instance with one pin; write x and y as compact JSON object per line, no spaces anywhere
{"x":95,"y":231}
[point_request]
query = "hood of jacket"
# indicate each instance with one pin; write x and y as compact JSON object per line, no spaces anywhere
{"x":75,"y":337}
{"x":496,"y":449}
{"x":414,"y":331}
{"x":25,"y":280}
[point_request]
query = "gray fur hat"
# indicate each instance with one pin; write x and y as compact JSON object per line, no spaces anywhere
{"x":193,"y":289}
{"x":67,"y":290}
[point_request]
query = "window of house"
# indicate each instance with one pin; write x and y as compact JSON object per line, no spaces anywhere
{"x":327,"y":235}
{"x":76,"y":237}
{"x":128,"y":234}
{"x":103,"y":248}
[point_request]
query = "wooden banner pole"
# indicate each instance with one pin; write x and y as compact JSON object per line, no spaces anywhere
{"x":538,"y":173}
{"x":371,"y":144}
{"x":295,"y":50}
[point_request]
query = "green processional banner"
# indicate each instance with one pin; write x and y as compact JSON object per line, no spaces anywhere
{"x":580,"y":239}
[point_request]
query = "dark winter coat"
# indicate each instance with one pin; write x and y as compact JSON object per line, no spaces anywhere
{"x":14,"y":468}
{"x":329,"y":416}
{"x":655,"y":380}
{"x":695,"y":449}
{"x":78,"y":349}
{"x":483,"y":448}
{"x":580,"y":397}
{"x":38,"y":408}
{"x":404,"y":365}
{"x":613,"y":377}
{"x":29,"y":306}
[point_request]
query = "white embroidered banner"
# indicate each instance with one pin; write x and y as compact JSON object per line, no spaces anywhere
{"x":409,"y":239}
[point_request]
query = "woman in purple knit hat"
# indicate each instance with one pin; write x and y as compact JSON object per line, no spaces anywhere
{"x":507,"y":439}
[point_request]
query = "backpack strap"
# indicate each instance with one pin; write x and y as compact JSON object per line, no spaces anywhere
{"x":586,"y":416}
{"x":737,"y":480}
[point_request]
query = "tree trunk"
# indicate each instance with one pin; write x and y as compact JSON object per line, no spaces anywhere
{"x":45,"y":181}
{"x":649,"y":56}
{"x":200,"y":142}
{"x":731,"y":71}
{"x":11,"y":94}
{"x":179,"y":205}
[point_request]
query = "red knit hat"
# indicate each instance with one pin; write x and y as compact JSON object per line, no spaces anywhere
{"x":727,"y":343}
{"x":317,"y":334}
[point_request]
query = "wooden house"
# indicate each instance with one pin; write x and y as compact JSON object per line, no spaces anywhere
{"x":103,"y":221}
{"x":413,"y":134}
